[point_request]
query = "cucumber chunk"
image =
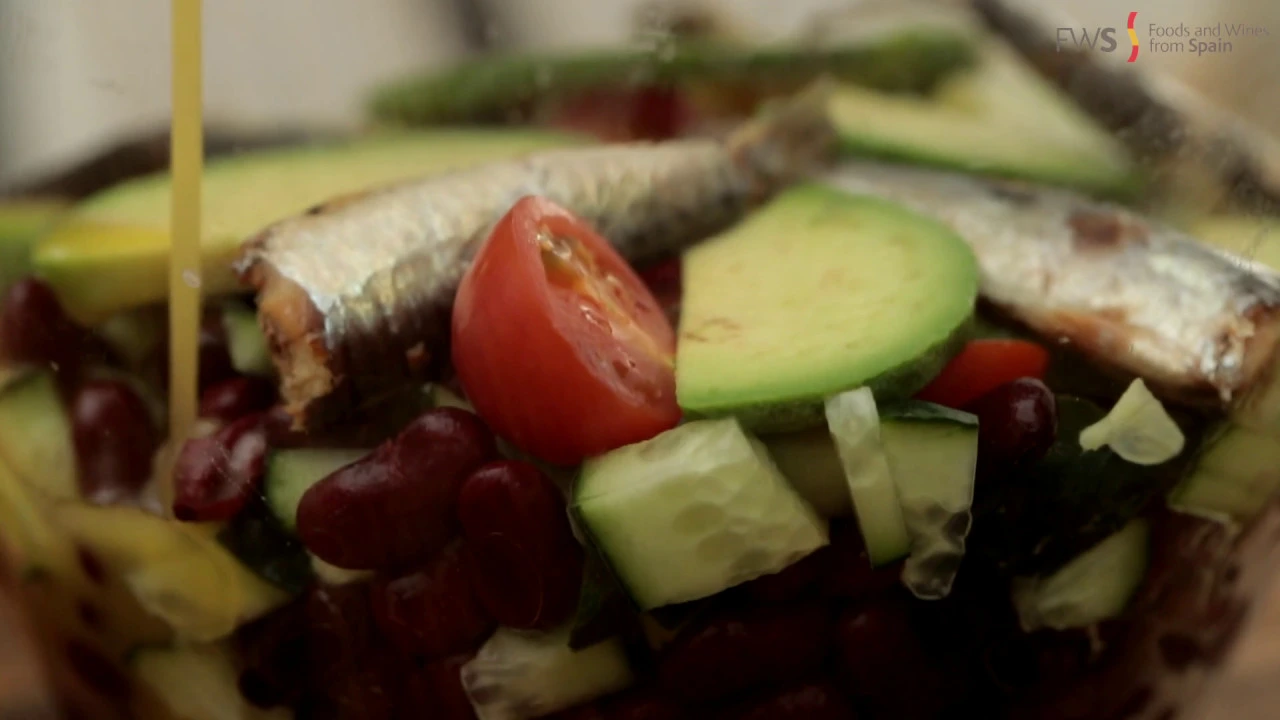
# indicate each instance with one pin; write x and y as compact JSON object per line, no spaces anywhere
{"x":819,"y":292}
{"x":291,"y":472}
{"x":518,"y":676}
{"x":809,"y":460}
{"x":933,"y":455}
{"x":693,"y":511}
{"x":35,"y":435}
{"x":854,"y":423}
{"x":198,"y":682}
{"x":1095,"y":586}
{"x":135,"y":335}
{"x":442,"y":396}
{"x":259,"y":541}
{"x":1236,"y":473}
{"x":245,"y":341}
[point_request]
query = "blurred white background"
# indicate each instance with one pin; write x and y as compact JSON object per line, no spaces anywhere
{"x":75,"y":74}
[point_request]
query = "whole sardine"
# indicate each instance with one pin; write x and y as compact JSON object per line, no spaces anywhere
{"x":355,"y":295}
{"x":1197,"y":323}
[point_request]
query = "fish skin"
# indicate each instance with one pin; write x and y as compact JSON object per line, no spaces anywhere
{"x":1200,"y":325}
{"x":355,"y":295}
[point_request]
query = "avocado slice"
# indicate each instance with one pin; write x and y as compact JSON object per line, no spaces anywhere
{"x":997,"y":117}
{"x":67,"y":589}
{"x":111,"y":252}
{"x":1255,"y":238}
{"x":179,"y":572}
{"x":496,"y":87}
{"x":885,"y":295}
{"x":22,"y":222}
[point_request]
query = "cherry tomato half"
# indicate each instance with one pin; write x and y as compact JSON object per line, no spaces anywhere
{"x":558,"y":343}
{"x":982,"y":366}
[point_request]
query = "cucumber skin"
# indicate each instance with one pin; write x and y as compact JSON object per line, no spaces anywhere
{"x":895,"y":386}
{"x":926,"y":412}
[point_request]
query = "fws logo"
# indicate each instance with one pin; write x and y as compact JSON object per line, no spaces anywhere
{"x":1099,"y":38}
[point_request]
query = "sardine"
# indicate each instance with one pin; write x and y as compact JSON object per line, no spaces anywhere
{"x":354,"y":296}
{"x":1197,"y":323}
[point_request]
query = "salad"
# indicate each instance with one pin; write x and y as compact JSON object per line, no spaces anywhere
{"x":856,"y":376}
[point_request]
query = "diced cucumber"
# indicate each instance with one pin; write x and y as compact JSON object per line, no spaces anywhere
{"x":442,"y":396}
{"x":35,"y":435}
{"x":933,"y":456}
{"x":693,"y":511}
{"x":198,"y":682}
{"x":854,"y":423}
{"x":1138,"y":429}
{"x":1236,"y":473}
{"x":259,"y":541}
{"x":291,"y":472}
{"x":245,"y":341}
{"x":519,"y":676}
{"x":177,"y":571}
{"x":1095,"y":586}
{"x":809,"y":460}
{"x":135,"y":335}
{"x":819,"y":292}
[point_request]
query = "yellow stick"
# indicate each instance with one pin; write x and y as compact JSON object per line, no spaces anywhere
{"x":186,"y":163}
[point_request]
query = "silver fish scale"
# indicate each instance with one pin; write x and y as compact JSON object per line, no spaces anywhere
{"x":382,"y":269}
{"x":1176,"y":308}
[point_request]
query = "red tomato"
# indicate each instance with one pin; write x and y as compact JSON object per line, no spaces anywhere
{"x":982,"y":366}
{"x":558,"y":343}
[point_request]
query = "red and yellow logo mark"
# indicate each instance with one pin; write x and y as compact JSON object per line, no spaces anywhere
{"x":1133,"y":36}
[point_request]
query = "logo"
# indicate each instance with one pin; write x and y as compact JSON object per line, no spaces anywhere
{"x":1099,"y":38}
{"x":1133,"y":37}
{"x":1163,"y":39}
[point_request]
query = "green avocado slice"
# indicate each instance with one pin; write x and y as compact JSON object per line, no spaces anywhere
{"x":110,"y":253}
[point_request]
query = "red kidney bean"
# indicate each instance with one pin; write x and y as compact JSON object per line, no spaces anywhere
{"x":432,"y":612}
{"x":280,"y":432}
{"x":738,"y":649}
{"x":232,"y":399}
{"x":340,"y":622}
{"x":396,"y":506}
{"x":641,"y":704}
{"x":215,"y":352}
{"x":849,"y":574}
{"x":436,"y":691}
{"x":35,"y":330}
{"x":793,"y":582}
{"x":216,"y":475}
{"x":273,"y":652}
{"x":808,"y":701}
{"x":586,"y":711}
{"x":350,"y":667}
{"x":115,"y":441}
{"x":886,"y":664}
{"x":524,"y":561}
{"x":1017,"y":423}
